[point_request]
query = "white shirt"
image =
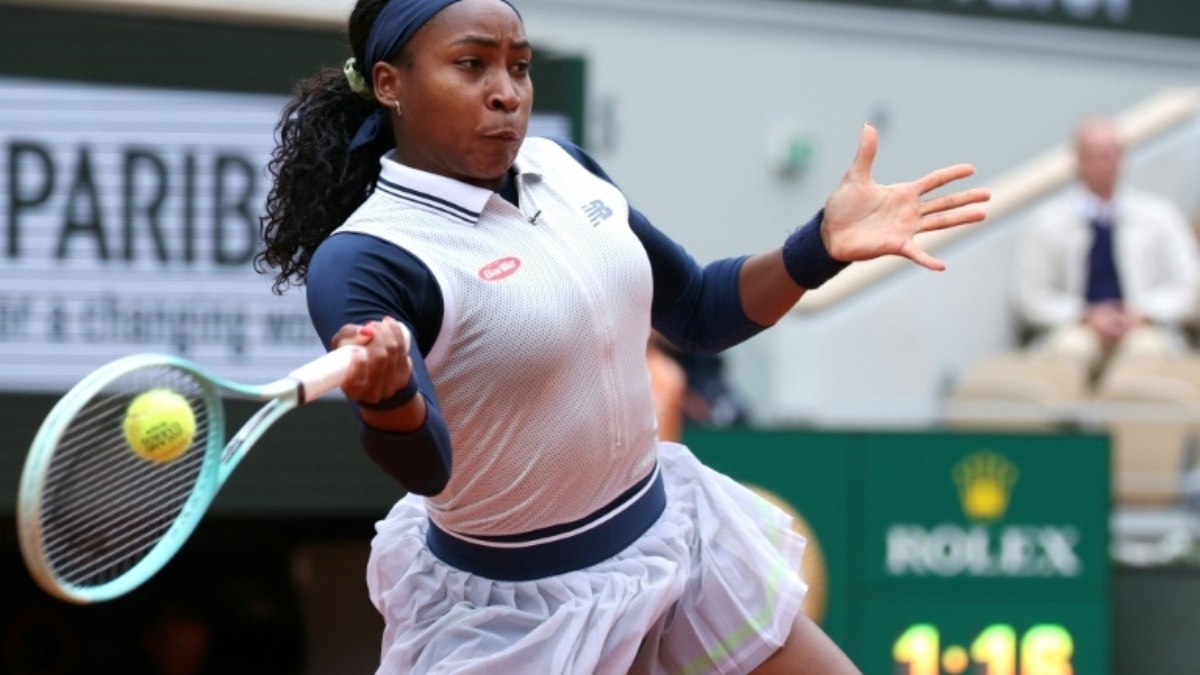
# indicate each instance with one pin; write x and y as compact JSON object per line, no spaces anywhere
{"x":1155,"y":253}
{"x":539,"y":365}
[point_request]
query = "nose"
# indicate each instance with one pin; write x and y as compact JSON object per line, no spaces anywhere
{"x":504,"y":96}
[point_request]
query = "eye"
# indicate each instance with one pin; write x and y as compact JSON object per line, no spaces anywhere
{"x":521,"y":67}
{"x":471,"y":62}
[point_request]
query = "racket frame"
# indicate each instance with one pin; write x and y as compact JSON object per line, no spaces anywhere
{"x":304,"y":384}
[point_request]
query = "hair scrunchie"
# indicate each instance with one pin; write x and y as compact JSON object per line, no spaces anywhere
{"x":358,"y":83}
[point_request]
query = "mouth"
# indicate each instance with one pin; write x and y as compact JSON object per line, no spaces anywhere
{"x":503,"y":135}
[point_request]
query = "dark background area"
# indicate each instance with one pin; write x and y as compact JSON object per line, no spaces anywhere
{"x":1177,"y":18}
{"x":247,"y":573}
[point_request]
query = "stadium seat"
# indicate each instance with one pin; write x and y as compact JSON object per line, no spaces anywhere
{"x":1017,"y":391}
{"x":1150,"y":406}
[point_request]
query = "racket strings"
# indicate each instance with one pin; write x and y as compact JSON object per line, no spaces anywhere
{"x":109,"y":506}
{"x":125,"y":538}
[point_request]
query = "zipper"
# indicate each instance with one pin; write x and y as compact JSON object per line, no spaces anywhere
{"x":558,"y":248}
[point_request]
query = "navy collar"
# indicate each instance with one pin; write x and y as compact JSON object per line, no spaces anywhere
{"x":458,"y":200}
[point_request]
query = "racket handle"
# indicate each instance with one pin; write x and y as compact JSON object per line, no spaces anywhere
{"x":324,"y":374}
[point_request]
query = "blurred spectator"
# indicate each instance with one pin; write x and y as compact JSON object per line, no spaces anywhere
{"x":38,"y":639}
{"x":177,"y":642}
{"x":668,"y":384}
{"x":1106,"y":271}
{"x":707,"y":400}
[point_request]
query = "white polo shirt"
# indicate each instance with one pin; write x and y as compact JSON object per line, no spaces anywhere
{"x":539,"y":364}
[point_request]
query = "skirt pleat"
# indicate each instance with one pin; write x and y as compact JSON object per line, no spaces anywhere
{"x":711,"y":587}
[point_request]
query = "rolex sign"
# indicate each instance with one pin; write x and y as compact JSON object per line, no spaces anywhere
{"x":982,"y":509}
{"x":986,"y":481}
{"x":944,"y":553}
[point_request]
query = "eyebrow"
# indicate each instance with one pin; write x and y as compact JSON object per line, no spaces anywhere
{"x":488,"y":41}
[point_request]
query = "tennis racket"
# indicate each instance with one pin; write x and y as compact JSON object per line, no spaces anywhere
{"x":97,"y":519}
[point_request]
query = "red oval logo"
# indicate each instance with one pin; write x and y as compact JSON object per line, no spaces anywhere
{"x":500,"y":269}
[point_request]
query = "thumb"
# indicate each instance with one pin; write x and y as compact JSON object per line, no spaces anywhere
{"x":868,"y":143}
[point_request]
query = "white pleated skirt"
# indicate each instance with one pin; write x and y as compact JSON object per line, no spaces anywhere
{"x":711,"y":587}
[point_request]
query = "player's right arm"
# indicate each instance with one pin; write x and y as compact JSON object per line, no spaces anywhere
{"x":360,"y":291}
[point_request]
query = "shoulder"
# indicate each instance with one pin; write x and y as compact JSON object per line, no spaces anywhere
{"x":1059,"y":213}
{"x":346,"y":247}
{"x":344,"y":255}
{"x":1149,"y":203}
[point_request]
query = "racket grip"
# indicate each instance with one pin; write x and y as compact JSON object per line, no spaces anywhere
{"x":324,"y":374}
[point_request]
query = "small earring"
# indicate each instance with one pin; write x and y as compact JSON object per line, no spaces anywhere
{"x":399,"y":111}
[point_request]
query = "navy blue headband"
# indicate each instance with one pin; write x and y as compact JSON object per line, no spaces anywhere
{"x":393,"y":28}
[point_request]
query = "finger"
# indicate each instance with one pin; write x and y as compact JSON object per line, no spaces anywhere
{"x":976,"y":196}
{"x":948,"y":219}
{"x":915,"y":254}
{"x":352,"y":334}
{"x":398,"y":344}
{"x":385,"y":349}
{"x":937,"y":179}
{"x":868,"y":144}
{"x":402,"y":330}
{"x":400,"y":363}
{"x":408,"y":337}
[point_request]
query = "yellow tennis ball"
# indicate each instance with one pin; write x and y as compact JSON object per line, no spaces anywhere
{"x":159,"y":425}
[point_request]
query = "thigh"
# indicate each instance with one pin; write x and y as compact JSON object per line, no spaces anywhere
{"x":1072,"y":341}
{"x":1150,"y":341}
{"x":808,"y":651}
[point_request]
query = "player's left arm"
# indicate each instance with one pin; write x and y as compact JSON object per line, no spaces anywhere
{"x":862,"y":220}
{"x":713,"y":307}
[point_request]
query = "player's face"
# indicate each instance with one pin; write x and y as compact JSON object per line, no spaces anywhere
{"x":466,"y":93}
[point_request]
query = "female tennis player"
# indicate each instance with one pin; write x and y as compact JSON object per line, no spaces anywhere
{"x":546,"y":529}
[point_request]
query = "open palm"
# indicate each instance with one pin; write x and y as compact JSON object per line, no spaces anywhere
{"x":866,"y":220}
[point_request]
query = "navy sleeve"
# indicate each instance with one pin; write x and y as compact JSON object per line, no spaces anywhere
{"x":697,"y":308}
{"x":355,"y":278}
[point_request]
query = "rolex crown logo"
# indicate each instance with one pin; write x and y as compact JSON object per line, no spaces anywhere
{"x":985,"y":481}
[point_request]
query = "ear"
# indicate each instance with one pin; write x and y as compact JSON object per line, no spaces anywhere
{"x":385,"y":80}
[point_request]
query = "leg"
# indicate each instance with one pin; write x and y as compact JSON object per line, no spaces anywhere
{"x":808,"y":651}
{"x":1150,"y":342}
{"x":1076,"y":342}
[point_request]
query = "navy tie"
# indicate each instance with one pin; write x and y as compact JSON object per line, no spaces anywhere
{"x":1103,"y":284}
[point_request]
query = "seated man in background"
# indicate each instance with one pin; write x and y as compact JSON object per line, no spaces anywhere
{"x":1106,"y":270}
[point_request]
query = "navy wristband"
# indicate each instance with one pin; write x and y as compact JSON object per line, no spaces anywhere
{"x":402,"y":396}
{"x":805,"y":258}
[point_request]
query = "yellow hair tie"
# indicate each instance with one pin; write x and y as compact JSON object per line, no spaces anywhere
{"x":358,"y":84}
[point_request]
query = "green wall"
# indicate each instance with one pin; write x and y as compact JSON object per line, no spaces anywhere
{"x":942,"y":546}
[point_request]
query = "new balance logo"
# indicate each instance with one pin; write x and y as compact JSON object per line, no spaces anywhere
{"x":597,"y":211}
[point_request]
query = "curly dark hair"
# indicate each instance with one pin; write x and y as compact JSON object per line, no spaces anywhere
{"x":317,"y":181}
